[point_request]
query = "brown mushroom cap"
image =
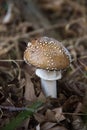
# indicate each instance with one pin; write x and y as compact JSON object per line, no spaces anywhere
{"x":47,"y":53}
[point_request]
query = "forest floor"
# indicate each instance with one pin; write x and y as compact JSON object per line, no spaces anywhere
{"x":66,"y":21}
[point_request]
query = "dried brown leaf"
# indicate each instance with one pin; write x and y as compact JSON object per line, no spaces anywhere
{"x":77,"y":123}
{"x":58,"y":114}
{"x":50,"y":115}
{"x":58,"y":128}
{"x":37,"y":85}
{"x":24,"y":125}
{"x":47,"y":125}
{"x":39,"y":117}
{"x":29,"y":89}
{"x":41,"y":97}
{"x":55,"y":115}
{"x":71,"y":103}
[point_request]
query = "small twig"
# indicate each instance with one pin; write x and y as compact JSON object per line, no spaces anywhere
{"x":79,"y":68}
{"x":75,"y":114}
{"x":80,"y":39}
{"x":38,"y":31}
{"x":76,"y":5}
{"x":11,"y":60}
{"x":9,"y":108}
{"x":5,"y":50}
{"x":16,"y":108}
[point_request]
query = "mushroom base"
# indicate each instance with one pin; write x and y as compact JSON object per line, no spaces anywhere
{"x":49,"y":88}
{"x":48,"y":81}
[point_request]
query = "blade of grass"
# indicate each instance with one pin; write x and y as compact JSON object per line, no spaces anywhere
{"x":22,"y":116}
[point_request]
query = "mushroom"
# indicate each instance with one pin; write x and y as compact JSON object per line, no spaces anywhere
{"x":50,"y":57}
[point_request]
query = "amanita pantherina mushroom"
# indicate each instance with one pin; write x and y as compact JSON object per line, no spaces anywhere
{"x":50,"y":57}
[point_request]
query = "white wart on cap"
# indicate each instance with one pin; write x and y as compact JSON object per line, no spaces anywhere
{"x":47,"y":53}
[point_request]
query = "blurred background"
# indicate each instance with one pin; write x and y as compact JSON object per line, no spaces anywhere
{"x":24,"y":20}
{"x":64,"y":20}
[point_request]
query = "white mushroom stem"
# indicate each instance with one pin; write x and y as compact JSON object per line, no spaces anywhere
{"x":49,"y":87}
{"x":48,"y":81}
